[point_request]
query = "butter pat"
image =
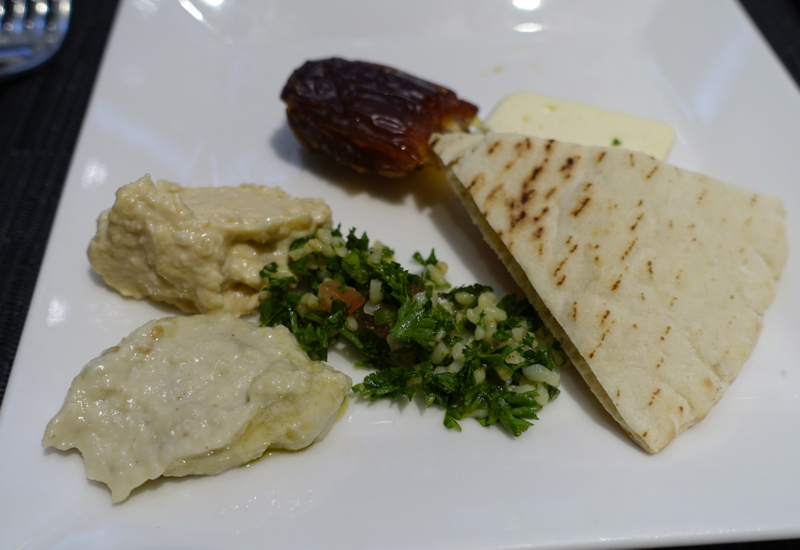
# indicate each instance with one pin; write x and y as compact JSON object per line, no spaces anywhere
{"x":552,"y":118}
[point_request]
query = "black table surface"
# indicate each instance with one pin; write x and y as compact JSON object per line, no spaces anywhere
{"x":42,"y":112}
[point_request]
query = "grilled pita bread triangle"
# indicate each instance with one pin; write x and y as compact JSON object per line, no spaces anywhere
{"x":654,"y":279}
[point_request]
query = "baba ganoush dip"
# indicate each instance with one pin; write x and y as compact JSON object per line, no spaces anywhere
{"x":194,"y":395}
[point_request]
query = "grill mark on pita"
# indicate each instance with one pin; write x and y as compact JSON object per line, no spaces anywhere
{"x":660,"y":362}
{"x":535,"y":174}
{"x":574,"y":311}
{"x":509,"y":165}
{"x":650,"y":268}
{"x":477,"y":183}
{"x":542,"y":214}
{"x":493,"y":147}
{"x":702,"y":196}
{"x":560,"y":265}
{"x":678,"y":274}
{"x":526,"y":195}
{"x":586,"y":186}
{"x":625,"y":255}
{"x":561,"y":280}
{"x":581,"y":206}
{"x":674,"y":299}
{"x":528,"y":189}
{"x":616,"y":285}
{"x":638,"y":219}
{"x":653,"y":171}
{"x":524,"y":145}
{"x":566,"y":168}
{"x":666,"y":331}
{"x":574,"y":248}
{"x":491,"y":197}
{"x":541,"y":249}
{"x":603,"y":337}
{"x":642,"y":295}
{"x":653,"y":397}
{"x":633,"y":162}
{"x":549,"y":144}
{"x":538,"y":235}
{"x":605,"y":316}
{"x":550,"y":193}
{"x":601,"y":156}
{"x":753,"y":200}
{"x":518,"y":219}
{"x":569,"y":240}
{"x":644,"y":434}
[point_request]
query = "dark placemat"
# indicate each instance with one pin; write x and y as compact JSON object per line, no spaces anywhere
{"x":41,"y":118}
{"x":42,"y":112}
{"x":779,"y":23}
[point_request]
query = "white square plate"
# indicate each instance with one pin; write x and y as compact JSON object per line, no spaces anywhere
{"x":189,"y":91}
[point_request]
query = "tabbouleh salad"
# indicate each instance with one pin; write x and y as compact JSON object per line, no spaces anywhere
{"x":463,"y":349}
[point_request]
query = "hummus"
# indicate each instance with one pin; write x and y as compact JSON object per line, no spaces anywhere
{"x":199,"y":249}
{"x":194,"y":395}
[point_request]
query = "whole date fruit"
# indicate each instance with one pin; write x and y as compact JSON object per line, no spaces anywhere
{"x":373,"y":118}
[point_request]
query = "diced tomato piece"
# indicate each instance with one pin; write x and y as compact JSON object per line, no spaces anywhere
{"x":329,"y":291}
{"x":416,"y":287}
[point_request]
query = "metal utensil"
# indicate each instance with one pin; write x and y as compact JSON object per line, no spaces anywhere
{"x":31,"y":31}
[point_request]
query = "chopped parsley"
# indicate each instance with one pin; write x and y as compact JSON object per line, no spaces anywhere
{"x":615,"y":142}
{"x":464,"y":350}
